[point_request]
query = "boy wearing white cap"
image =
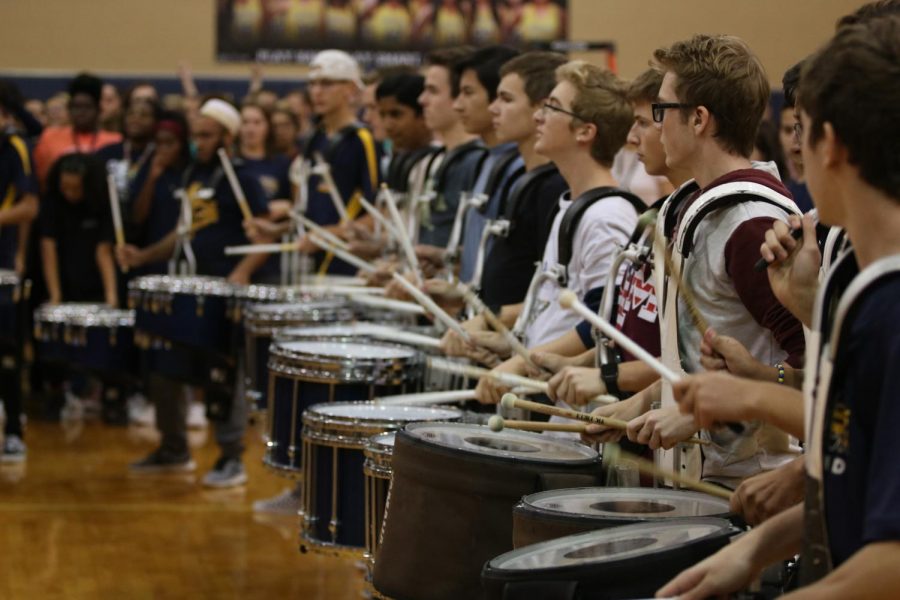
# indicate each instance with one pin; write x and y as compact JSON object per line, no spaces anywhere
{"x":217,"y":222}
{"x":343,"y":143}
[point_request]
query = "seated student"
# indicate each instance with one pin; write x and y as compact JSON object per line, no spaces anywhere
{"x":847,"y":529}
{"x":452,"y":166}
{"x":712,"y":97}
{"x":581,"y":126}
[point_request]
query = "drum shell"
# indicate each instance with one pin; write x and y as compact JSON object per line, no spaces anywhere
{"x":449,"y":511}
{"x":91,"y":337}
{"x":532,"y":524}
{"x":636,"y":577}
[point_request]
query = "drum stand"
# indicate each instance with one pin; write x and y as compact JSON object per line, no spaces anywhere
{"x":188,"y":266}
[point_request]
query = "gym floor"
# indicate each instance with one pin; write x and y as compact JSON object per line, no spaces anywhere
{"x":74,"y":524}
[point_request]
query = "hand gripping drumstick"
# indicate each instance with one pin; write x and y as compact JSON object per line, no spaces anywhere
{"x":116,"y":211}
{"x":480,"y":307}
{"x":498,"y":423}
{"x":323,"y":169}
{"x":376,"y":214}
{"x":430,"y":305}
{"x":400,"y":229}
{"x":510,"y":379}
{"x":613,"y":454}
{"x":343,"y":255}
{"x":568,"y":299}
{"x":512,"y":401}
{"x":231,"y":176}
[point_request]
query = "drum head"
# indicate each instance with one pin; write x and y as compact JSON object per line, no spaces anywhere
{"x":368,"y":411}
{"x":511,"y":445}
{"x":336,"y":330}
{"x":627,"y":503}
{"x":279,"y":308}
{"x":345,"y":350}
{"x":612,"y":545}
{"x":200,"y":285}
{"x":84,"y":314}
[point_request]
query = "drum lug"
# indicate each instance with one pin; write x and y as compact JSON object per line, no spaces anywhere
{"x":199,"y":306}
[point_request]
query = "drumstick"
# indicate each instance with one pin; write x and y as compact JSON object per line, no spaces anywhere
{"x":498,"y":423}
{"x":428,"y":398}
{"x":260,"y":248}
{"x":116,"y":214}
{"x":324,"y":171}
{"x":376,"y":214}
{"x":447,"y":366}
{"x":403,"y":236}
{"x":568,"y":299}
{"x":432,"y":307}
{"x":343,"y":255}
{"x":512,"y":401}
{"x":391,"y":304}
{"x":480,"y":307}
{"x":322,"y":232}
{"x":613,"y":454}
{"x":234,"y":184}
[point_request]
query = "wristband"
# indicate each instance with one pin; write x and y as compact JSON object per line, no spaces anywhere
{"x":780,"y":368}
{"x":609,"y":373}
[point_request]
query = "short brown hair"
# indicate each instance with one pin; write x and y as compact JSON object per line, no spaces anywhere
{"x":447,"y":58}
{"x":722,"y":74}
{"x":537,"y":70}
{"x":854,"y":84}
{"x":645,"y":87}
{"x":599,"y":100}
{"x":872,"y":10}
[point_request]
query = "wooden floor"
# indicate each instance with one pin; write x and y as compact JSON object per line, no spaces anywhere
{"x":74,"y":524}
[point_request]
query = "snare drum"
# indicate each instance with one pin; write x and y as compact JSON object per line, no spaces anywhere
{"x":9,"y":286}
{"x":262,"y":321}
{"x":452,"y":490}
{"x":557,"y":513}
{"x":632,"y":561}
{"x":306,"y":372}
{"x":194,"y":311}
{"x":90,"y":336}
{"x":377,"y":470}
{"x":334,"y":438}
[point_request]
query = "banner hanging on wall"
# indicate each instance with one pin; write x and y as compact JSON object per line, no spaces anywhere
{"x":380,"y":32}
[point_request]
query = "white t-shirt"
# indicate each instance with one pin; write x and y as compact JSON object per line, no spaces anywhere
{"x":604,"y":228}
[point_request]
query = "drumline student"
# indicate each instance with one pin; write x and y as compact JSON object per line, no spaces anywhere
{"x":461,"y":151}
{"x":582,"y":125}
{"x":217,"y":223}
{"x":18,"y":208}
{"x":847,"y":527}
{"x":712,"y":97}
{"x":347,"y":147}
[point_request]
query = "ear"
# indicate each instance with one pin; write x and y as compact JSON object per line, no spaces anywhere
{"x":701,"y":121}
{"x":834,"y":153}
{"x":585,"y":133}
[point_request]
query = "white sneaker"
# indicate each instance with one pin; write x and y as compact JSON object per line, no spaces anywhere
{"x":285,"y":503}
{"x":196,"y":417}
{"x":226,"y":473}
{"x":73,"y":410}
{"x":141,"y":412}
{"x":13,"y":450}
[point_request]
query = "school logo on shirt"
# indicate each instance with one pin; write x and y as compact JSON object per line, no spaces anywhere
{"x":838,"y":446}
{"x":637,"y":296}
{"x":204,"y":208}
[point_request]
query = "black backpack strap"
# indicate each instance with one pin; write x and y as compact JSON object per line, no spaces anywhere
{"x":454,"y":156}
{"x":671,"y":210}
{"x":410,"y":160}
{"x":498,"y":169}
{"x":572,"y":218}
{"x":524,"y":187}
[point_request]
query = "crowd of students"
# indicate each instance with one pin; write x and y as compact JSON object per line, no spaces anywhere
{"x":509,"y":159}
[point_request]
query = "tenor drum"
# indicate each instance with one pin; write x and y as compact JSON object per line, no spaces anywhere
{"x":334,"y":441}
{"x":558,"y":513}
{"x":632,"y":561}
{"x":262,"y":321}
{"x":452,"y":491}
{"x":89,"y":336}
{"x":193,"y":311}
{"x":377,"y":470}
{"x":312,"y":371}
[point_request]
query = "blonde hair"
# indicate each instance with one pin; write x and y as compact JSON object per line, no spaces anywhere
{"x":599,"y":100}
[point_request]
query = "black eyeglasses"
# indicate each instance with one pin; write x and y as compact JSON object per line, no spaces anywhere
{"x":547,"y":106}
{"x":659,"y":109}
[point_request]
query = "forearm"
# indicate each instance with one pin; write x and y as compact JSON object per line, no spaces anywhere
{"x":779,"y":538}
{"x":568,"y":344}
{"x":160,"y":251}
{"x":22,"y":244}
{"x":50,"y":262}
{"x":635,"y":375}
{"x":780,"y":406}
{"x":870,"y":573}
{"x":106,"y":265}
{"x":509,"y":314}
{"x":250,"y":263}
{"x":23,"y":211}
{"x":141,"y":209}
{"x":588,"y":358}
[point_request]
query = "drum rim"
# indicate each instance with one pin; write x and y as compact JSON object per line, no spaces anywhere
{"x":725,"y":529}
{"x":195,"y":285}
{"x":526,"y":504}
{"x":83,"y":314}
{"x":501,"y":456}
{"x":10,"y":278}
{"x":330,"y":429}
